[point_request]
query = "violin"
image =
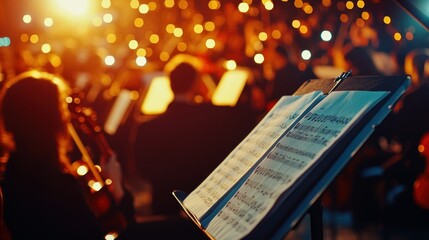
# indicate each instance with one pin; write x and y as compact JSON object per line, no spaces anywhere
{"x":421,"y":184}
{"x":99,"y":197}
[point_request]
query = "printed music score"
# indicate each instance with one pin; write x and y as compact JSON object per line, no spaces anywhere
{"x":295,"y":152}
{"x":249,"y":151}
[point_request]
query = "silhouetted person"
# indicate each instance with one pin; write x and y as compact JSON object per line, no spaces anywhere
{"x":288,"y":78}
{"x":179,"y":148}
{"x":42,"y":196}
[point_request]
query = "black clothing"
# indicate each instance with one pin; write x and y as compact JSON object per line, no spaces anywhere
{"x":181,"y":147}
{"x":42,"y":203}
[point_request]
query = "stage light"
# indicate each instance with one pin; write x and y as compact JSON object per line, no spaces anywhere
{"x":259,"y":58}
{"x":141,"y":61}
{"x":326,"y":35}
{"x":48,"y":22}
{"x":144,"y":8}
{"x":109,"y":60}
{"x":243,"y":7}
{"x":26,"y":18}
{"x":210,"y":43}
{"x":306,"y":54}
{"x":75,"y":7}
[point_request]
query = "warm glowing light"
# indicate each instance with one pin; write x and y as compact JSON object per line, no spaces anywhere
{"x":421,"y":148}
{"x":97,"y":21}
{"x":326,"y":35}
{"x":302,"y":66}
{"x":107,"y":18}
{"x":303,"y":29}
{"x":397,"y":36}
{"x":209,"y":26}
{"x":154,"y":38}
{"x":170,"y":28}
{"x":344,"y":18}
{"x":69,"y":100}
{"x":360,"y":22}
{"x":326,"y":3}
{"x":34,"y":38}
{"x":263,"y":36}
{"x":24,"y":38}
{"x":360,"y":4}
{"x":48,"y":22}
{"x":198,"y":28}
{"x":133,"y":44}
{"x":108,"y":181}
{"x":82,"y":170}
{"x":111,"y":236}
{"x":134,"y":4}
{"x":46,"y":48}
{"x":183,"y":4}
{"x":111,"y":38}
{"x":306,"y":54}
{"x":138,"y":22}
{"x":276,"y":34}
{"x":387,"y":20}
{"x":214,"y":4}
{"x":296,"y":23}
{"x":308,"y":9}
{"x":158,"y":96}
{"x":141,"y":52}
{"x":134,"y":95}
{"x":178,"y":32}
{"x":117,"y":111}
{"x":230,"y":65}
{"x":269,"y":5}
{"x":409,"y":36}
{"x":75,"y":7}
{"x":365,"y":15}
{"x":298,"y":3}
{"x":350,"y":5}
{"x":109,"y":60}
{"x":96,"y":186}
{"x":181,"y":46}
{"x":164,"y":56}
{"x":230,"y":87}
{"x":26,"y":18}
{"x":144,"y":8}
{"x":106,"y":3}
{"x":141,"y":61}
{"x":169,"y":3}
{"x":259,"y":58}
{"x":210,"y":43}
{"x":243,"y":7}
{"x":55,"y":60}
{"x":152,"y":6}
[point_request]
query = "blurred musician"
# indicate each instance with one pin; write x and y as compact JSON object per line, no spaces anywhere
{"x":42,"y":197}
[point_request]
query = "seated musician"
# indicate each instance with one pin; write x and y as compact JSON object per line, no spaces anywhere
{"x":43,"y":198}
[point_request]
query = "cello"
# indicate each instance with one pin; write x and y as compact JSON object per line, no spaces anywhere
{"x":421,"y":184}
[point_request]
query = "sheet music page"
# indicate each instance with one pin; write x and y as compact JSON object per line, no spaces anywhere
{"x":292,"y":156}
{"x":248,"y":152}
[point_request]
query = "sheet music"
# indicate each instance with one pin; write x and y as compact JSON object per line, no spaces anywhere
{"x":292,"y":156}
{"x":248,"y":152}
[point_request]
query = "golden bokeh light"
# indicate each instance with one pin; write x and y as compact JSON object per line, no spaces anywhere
{"x":138,"y":22}
{"x":26,"y":18}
